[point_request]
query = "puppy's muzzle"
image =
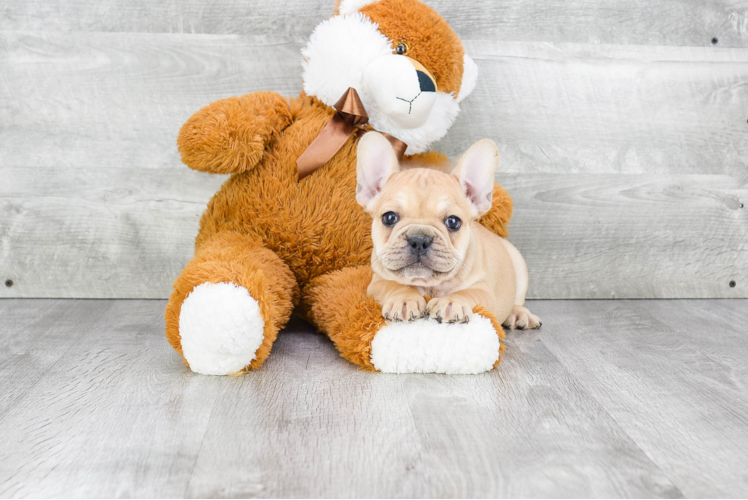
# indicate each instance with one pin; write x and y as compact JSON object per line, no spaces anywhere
{"x":419,"y":244}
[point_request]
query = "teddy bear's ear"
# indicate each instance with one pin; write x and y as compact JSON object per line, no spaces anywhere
{"x":351,"y":6}
{"x":469,"y":77}
{"x":476,"y":171}
{"x":377,"y":162}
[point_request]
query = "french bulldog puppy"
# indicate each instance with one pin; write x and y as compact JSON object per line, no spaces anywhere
{"x":427,"y":240}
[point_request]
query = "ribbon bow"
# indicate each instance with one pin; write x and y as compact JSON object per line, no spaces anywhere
{"x":351,"y":116}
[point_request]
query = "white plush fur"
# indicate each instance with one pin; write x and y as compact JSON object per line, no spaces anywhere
{"x":221,"y":328}
{"x":469,"y":77}
{"x":442,"y":116}
{"x":338,"y":52}
{"x":336,"y":57}
{"x":351,"y":6}
{"x":392,"y":83}
{"x":425,"y":346}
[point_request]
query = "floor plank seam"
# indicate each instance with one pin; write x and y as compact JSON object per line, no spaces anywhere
{"x":42,"y":375}
{"x":583,"y":387}
{"x":202,"y":441}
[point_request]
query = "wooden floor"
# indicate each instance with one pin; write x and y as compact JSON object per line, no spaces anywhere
{"x":609,"y":399}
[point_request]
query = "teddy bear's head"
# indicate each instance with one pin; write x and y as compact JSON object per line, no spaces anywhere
{"x":407,"y":65}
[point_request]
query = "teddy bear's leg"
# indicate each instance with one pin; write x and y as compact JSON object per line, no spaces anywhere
{"x":338,"y":305}
{"x":228,"y":305}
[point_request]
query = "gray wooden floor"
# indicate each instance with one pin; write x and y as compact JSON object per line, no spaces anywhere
{"x":611,"y":398}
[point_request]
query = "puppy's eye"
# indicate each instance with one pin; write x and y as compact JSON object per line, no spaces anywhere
{"x":389,"y":219}
{"x":453,"y":223}
{"x":401,"y":49}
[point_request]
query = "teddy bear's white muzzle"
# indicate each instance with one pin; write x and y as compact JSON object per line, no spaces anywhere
{"x":401,"y":92}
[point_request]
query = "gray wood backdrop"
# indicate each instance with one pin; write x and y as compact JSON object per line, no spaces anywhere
{"x":622,"y":125}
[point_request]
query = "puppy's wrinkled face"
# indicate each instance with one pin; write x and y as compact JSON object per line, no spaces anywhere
{"x":422,"y":217}
{"x":421,"y":227}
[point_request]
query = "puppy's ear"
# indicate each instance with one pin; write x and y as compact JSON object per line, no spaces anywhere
{"x":377,"y":162}
{"x":476,"y":171}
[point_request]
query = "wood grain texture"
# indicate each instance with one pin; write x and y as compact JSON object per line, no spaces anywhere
{"x":628,"y":163}
{"x":127,"y":233}
{"x":679,"y":365}
{"x":35,"y":336}
{"x":504,"y":436}
{"x":113,"y":416}
{"x":103,"y":232}
{"x":631,"y":236}
{"x":567,"y":108}
{"x":608,"y":399}
{"x":662,"y":22}
{"x":112,"y":99}
{"x":118,"y":100}
{"x":496,"y":435}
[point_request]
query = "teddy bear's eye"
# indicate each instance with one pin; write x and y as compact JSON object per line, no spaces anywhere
{"x":401,"y":49}
{"x":389,"y":219}
{"x":453,"y":223}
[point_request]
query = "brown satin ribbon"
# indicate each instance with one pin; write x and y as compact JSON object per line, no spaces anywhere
{"x":350,"y":117}
{"x":399,"y":145}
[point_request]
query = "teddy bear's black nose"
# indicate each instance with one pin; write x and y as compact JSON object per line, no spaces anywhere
{"x":419,"y":243}
{"x":425,"y":82}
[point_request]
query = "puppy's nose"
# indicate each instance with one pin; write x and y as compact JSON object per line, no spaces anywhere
{"x":425,"y":82}
{"x":419,"y":243}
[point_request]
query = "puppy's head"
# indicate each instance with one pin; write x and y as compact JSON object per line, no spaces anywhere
{"x":422,"y":217}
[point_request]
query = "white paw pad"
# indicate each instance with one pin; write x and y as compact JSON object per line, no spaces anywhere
{"x":425,"y":346}
{"x":221,"y":328}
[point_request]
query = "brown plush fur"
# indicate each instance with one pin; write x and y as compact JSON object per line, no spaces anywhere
{"x":231,"y":135}
{"x":429,"y":38}
{"x":338,"y":305}
{"x":282,"y":238}
{"x":273,"y":235}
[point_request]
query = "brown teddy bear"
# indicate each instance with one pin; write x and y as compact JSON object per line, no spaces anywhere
{"x":285,"y":235}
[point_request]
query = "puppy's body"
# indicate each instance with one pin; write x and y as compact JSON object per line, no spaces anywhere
{"x":427,"y":240}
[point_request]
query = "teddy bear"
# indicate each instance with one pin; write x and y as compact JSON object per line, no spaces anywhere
{"x":284,"y":234}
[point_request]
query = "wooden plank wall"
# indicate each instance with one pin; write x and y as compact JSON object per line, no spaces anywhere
{"x":622,"y":126}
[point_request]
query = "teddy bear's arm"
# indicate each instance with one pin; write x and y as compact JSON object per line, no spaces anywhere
{"x":230,"y":135}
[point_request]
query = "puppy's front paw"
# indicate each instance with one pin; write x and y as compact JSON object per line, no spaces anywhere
{"x":450,"y":309}
{"x":521,"y":318}
{"x":404,"y":308}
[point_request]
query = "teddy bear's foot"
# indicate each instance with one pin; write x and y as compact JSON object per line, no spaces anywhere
{"x":228,"y":305}
{"x":221,"y":328}
{"x":426,"y":346}
{"x":339,"y":306}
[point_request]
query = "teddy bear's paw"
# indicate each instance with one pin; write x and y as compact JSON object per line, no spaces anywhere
{"x":426,"y":346}
{"x":522,"y":319}
{"x":221,"y":328}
